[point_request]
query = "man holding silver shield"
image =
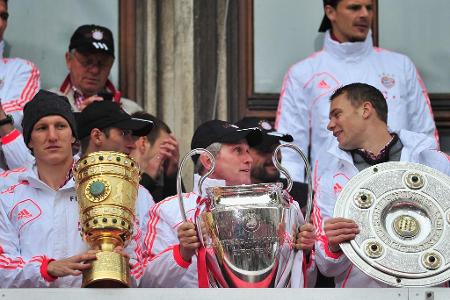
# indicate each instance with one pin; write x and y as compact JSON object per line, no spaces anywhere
{"x":171,"y":243}
{"x":358,"y":121}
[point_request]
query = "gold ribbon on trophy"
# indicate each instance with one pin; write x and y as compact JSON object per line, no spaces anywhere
{"x":107,"y":184}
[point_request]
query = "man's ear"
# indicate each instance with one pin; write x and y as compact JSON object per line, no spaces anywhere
{"x":206,"y":162}
{"x":96,"y":137}
{"x":141,"y":144}
{"x":68,"y":59}
{"x":367,"y":109}
{"x":330,"y":12}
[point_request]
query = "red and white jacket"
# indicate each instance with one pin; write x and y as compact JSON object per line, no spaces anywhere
{"x":305,"y":95}
{"x":38,"y":224}
{"x":165,"y":265}
{"x":333,"y":169}
{"x":19,"y":82}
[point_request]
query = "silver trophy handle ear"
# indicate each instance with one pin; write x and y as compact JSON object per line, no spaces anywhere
{"x":193,"y":152}
{"x":277,"y":164}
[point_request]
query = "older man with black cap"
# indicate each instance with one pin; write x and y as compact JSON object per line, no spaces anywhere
{"x":39,"y":233}
{"x":89,"y":61}
{"x":170,"y":243}
{"x":348,"y":56}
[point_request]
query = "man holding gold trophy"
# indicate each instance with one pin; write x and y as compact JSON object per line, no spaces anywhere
{"x":358,"y":119}
{"x":39,"y":226}
{"x":174,"y":246}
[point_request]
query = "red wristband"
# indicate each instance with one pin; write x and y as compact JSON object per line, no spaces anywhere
{"x":44,"y":272}
{"x":10,"y":137}
{"x":179,"y":259}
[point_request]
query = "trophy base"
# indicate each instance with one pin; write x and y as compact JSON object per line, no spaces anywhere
{"x":109,"y":270}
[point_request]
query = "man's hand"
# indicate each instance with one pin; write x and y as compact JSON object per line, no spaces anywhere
{"x":88,"y":101}
{"x":189,"y":242}
{"x":71,"y":266}
{"x":7,"y":128}
{"x":155,"y":165}
{"x":170,"y":151}
{"x":339,"y":230}
{"x":306,"y":237}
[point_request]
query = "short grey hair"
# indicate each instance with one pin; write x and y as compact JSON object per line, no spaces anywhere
{"x":214,"y":148}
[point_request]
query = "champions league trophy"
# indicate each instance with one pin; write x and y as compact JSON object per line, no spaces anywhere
{"x":403,"y":212}
{"x":247,"y":231}
{"x":107,"y":185}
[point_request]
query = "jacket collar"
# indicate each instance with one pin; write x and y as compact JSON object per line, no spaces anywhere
{"x":66,"y":88}
{"x":31,"y":175}
{"x":348,"y":52}
{"x":412,"y":143}
{"x":209,"y":182}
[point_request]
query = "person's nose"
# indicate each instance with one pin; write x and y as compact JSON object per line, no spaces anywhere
{"x":52,"y":133}
{"x":330,"y":125}
{"x":248,"y":158}
{"x":364,"y":12}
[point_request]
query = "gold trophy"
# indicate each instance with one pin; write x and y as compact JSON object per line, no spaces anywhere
{"x":107,"y":185}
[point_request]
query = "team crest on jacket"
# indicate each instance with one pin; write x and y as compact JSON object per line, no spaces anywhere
{"x":387,"y":81}
{"x":339,"y":182}
{"x":24,"y":212}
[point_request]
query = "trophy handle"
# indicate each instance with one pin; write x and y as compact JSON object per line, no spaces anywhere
{"x":180,"y":169}
{"x":288,"y":177}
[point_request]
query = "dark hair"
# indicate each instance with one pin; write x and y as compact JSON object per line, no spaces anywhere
{"x":358,"y":93}
{"x":158,"y":125}
{"x":332,"y":3}
{"x":84,"y":142}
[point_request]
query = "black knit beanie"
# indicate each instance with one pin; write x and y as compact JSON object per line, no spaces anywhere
{"x":44,"y":104}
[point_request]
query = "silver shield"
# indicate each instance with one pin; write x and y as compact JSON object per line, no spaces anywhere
{"x":403,"y":212}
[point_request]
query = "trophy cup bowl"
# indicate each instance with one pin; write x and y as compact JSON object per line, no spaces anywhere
{"x":249,"y":230}
{"x":107,"y":184}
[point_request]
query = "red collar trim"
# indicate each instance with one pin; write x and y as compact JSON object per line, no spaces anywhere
{"x":67,"y":84}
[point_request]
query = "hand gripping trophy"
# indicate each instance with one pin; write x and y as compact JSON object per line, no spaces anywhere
{"x":246,"y":230}
{"x":107,"y":185}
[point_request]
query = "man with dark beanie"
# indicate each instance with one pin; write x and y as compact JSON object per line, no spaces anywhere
{"x":103,"y":126}
{"x":39,"y":235}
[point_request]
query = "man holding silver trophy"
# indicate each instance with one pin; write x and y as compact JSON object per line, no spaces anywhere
{"x":178,"y":249}
{"x":358,"y":119}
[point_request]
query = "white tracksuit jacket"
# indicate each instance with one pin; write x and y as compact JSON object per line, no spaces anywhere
{"x":304,"y":99}
{"x":165,"y":266}
{"x":333,"y":169}
{"x":38,"y":223}
{"x":19,"y":82}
